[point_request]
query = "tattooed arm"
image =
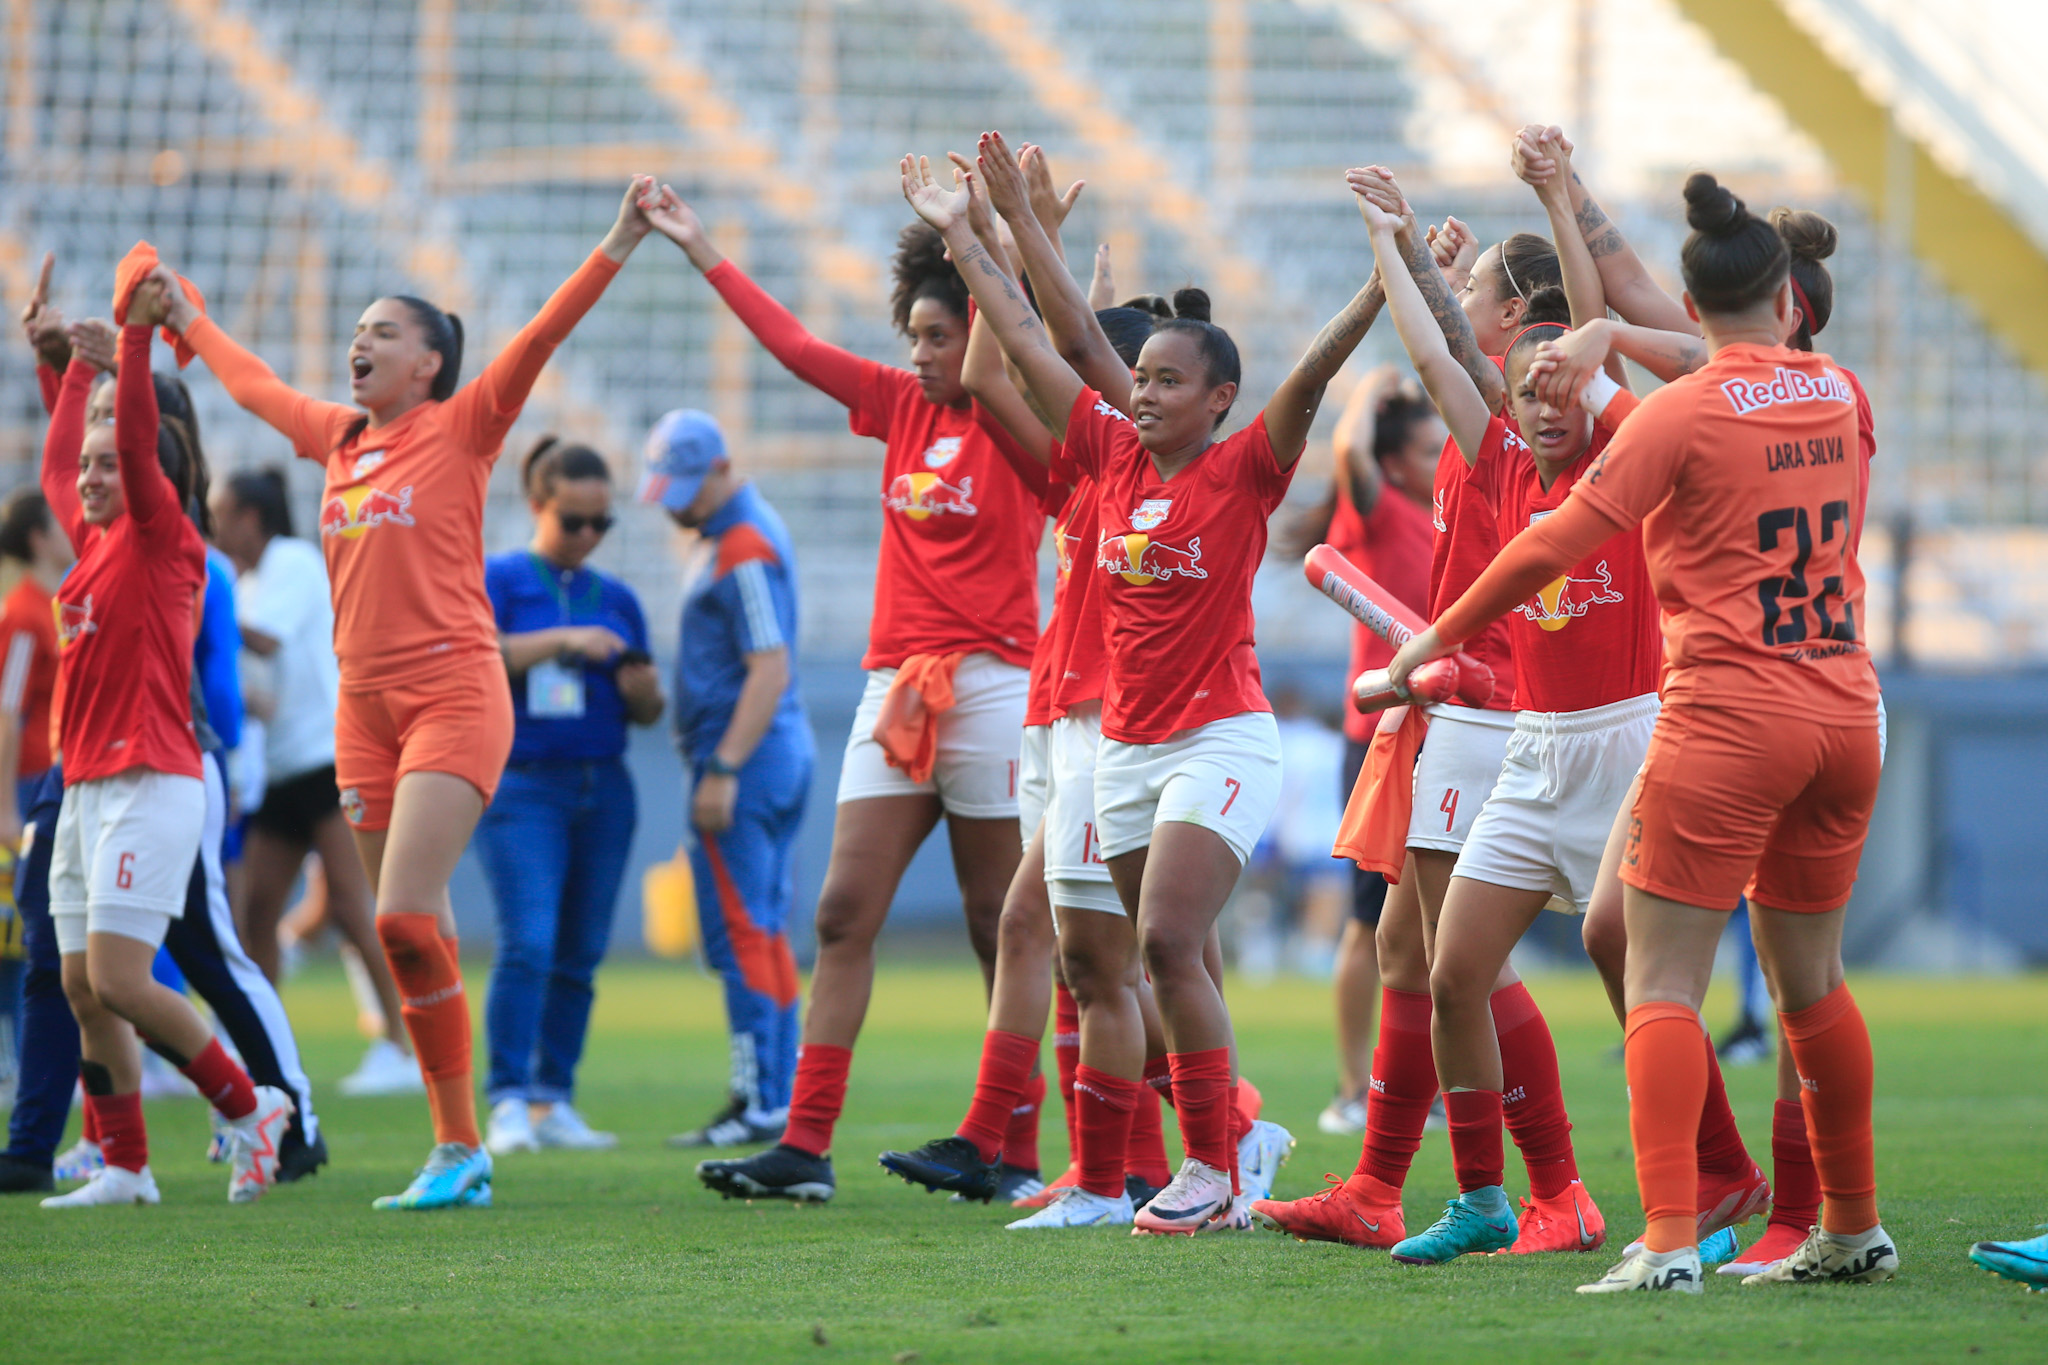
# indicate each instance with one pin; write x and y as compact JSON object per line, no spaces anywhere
{"x":1451,"y":320}
{"x":1292,"y":409}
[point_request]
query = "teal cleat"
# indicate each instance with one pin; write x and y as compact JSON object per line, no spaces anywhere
{"x":2026,"y":1262}
{"x":455,"y":1177}
{"x":1720,"y":1247}
{"x":1478,"y":1220}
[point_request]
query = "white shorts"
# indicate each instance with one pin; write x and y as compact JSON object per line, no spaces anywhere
{"x":1076,"y":876}
{"x":1564,"y":777}
{"x":1224,"y":776}
{"x":1460,"y":762}
{"x":1034,"y":780}
{"x":123,"y":856}
{"x":976,"y":776}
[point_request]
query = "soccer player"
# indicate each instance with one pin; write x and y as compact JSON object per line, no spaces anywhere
{"x":742,"y":724}
{"x":1188,"y":765}
{"x":133,"y":815}
{"x":955,"y":620}
{"x":425,"y":717}
{"x":1764,"y":766}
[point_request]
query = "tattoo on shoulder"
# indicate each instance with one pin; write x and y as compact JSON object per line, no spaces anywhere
{"x":1450,"y":318}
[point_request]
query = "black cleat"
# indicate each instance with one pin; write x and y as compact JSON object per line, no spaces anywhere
{"x":25,"y":1177}
{"x":948,"y":1163}
{"x":1140,"y":1192}
{"x":781,"y":1172}
{"x":728,"y":1128}
{"x":1014,"y":1183}
{"x":301,"y":1159}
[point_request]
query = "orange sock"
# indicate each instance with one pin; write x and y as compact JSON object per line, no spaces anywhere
{"x":1667,"y":1086}
{"x":1831,"y":1049}
{"x":437,"y":1017}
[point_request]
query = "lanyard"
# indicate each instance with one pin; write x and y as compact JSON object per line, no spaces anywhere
{"x":589,"y":599}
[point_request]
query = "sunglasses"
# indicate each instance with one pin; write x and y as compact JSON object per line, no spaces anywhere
{"x":573,"y":523}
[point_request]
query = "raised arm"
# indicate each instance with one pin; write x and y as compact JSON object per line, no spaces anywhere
{"x":1050,"y":384}
{"x":44,"y":328}
{"x":145,"y":488}
{"x":838,"y":374}
{"x":1450,"y":248}
{"x":984,"y":373}
{"x":1563,"y":367}
{"x":1450,"y":387}
{"x":1582,"y":288}
{"x":1353,"y":439}
{"x":311,"y":425}
{"x":1628,"y":286}
{"x":61,"y":444}
{"x":1292,"y":409}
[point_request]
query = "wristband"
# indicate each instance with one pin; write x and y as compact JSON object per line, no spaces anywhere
{"x":1599,"y":392}
{"x":715,"y":766}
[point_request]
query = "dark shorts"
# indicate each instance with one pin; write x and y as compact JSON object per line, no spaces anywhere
{"x":1368,"y":889}
{"x":293,"y":808}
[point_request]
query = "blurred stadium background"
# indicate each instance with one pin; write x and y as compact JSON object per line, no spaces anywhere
{"x":297,"y":158}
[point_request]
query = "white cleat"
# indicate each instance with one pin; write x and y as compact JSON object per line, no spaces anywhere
{"x":253,"y":1141}
{"x":384,"y":1070}
{"x":111,"y":1185}
{"x":563,"y":1127}
{"x":510,"y":1129}
{"x":1198,"y":1196}
{"x":1675,"y":1271}
{"x":82,"y":1160}
{"x":1261,"y":1152}
{"x":1865,"y":1258}
{"x":1077,"y":1208}
{"x":1342,"y":1117}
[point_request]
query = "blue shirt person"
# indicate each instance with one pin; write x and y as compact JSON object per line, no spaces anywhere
{"x":555,"y":840}
{"x":743,"y":732}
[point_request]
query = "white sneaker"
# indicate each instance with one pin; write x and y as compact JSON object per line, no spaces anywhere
{"x":1341,"y":1116}
{"x":1198,"y":1197}
{"x":82,"y":1160}
{"x":510,"y":1129}
{"x":1866,"y":1258}
{"x":562,"y":1126}
{"x":1261,"y":1152}
{"x":111,"y":1185}
{"x":384,"y":1070}
{"x":1655,"y":1270}
{"x":1077,"y":1208}
{"x":253,"y":1144}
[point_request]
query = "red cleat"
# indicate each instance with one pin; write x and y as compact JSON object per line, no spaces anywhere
{"x":1779,"y":1241}
{"x":1068,"y":1179}
{"x":1568,"y":1222}
{"x":1359,"y":1212}
{"x":1731,"y":1203}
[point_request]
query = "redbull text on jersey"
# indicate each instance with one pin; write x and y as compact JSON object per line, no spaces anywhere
{"x":1139,"y":559}
{"x":1788,"y":386}
{"x":352,"y":511}
{"x":919,"y":496}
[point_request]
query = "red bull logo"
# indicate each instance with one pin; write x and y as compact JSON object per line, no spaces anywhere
{"x":923,"y":495}
{"x":352,"y":511}
{"x":1564,"y":599}
{"x":1140,"y":559}
{"x":74,"y":621}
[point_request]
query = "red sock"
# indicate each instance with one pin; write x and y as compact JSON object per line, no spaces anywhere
{"x":1722,"y":1153}
{"x":1006,"y":1062}
{"x":1145,"y":1157}
{"x":1248,"y":1101}
{"x":1020,"y":1136}
{"x":224,"y":1084}
{"x":1795,"y":1184}
{"x":89,"y":1126}
{"x":817,"y":1097}
{"x":1667,"y":1084}
{"x":1475,"y":1137}
{"x":1831,"y":1047}
{"x":437,"y":1018}
{"x":1105,"y":1104}
{"x":1403,"y":1084}
{"x":124,"y":1141}
{"x":1066,"y":1056}
{"x":1202,"y":1099}
{"x":1533,"y":1100}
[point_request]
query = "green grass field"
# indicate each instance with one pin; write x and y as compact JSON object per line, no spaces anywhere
{"x":623,"y":1256}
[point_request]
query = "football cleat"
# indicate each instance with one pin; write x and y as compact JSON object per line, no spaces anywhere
{"x":2026,"y":1261}
{"x":1339,"y":1213}
{"x":1731,"y":1203}
{"x":1046,"y":1193}
{"x":781,"y":1172}
{"x":730,"y":1127}
{"x":1779,"y":1241}
{"x":1478,"y":1220}
{"x":1568,"y":1222}
{"x":1013,"y":1183}
{"x":455,"y":1177}
{"x":82,"y":1160}
{"x":301,"y":1159}
{"x":1140,"y":1190}
{"x":253,"y":1142}
{"x":947,"y":1163}
{"x":1198,"y":1196}
{"x":1717,"y":1248}
{"x":109,"y":1185}
{"x":1677,"y":1271}
{"x":1261,"y":1152}
{"x":1866,"y":1258}
{"x":1077,"y":1208}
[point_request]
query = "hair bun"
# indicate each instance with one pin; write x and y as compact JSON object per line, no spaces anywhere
{"x":1807,"y":235}
{"x":1191,"y":303}
{"x":1548,"y":305}
{"x":1149,"y":303}
{"x":1711,"y":207}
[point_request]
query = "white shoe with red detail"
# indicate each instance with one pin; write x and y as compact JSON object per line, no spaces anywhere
{"x":254,"y":1140}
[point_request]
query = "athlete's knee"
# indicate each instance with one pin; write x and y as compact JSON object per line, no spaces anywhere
{"x":78,"y":993}
{"x":119,"y":993}
{"x":846,"y":918}
{"x":1025,"y":926}
{"x":1455,"y":984}
{"x":412,"y":942}
{"x":1097,"y":977}
{"x":1171,"y":951}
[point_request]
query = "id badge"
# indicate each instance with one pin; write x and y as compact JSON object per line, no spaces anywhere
{"x":554,"y":692}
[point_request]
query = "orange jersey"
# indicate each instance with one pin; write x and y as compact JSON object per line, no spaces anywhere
{"x":401,"y":516}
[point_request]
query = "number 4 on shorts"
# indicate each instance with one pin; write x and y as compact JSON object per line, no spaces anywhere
{"x":1449,"y":806}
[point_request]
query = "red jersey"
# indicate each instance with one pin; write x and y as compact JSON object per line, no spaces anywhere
{"x":1467,"y":539}
{"x":1589,"y":638}
{"x":1175,"y":559}
{"x":960,"y":529}
{"x":1393,"y":544}
{"x":1045,"y":655}
{"x":28,"y":670}
{"x":1077,"y":605}
{"x":126,"y":611}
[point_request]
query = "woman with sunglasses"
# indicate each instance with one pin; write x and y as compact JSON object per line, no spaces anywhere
{"x":554,"y":841}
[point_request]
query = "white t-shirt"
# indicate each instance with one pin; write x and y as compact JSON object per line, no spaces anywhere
{"x":285,"y":597}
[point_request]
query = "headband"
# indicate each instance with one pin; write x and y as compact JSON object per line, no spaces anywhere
{"x":1510,"y":274}
{"x":1562,"y":327}
{"x":1805,"y":308}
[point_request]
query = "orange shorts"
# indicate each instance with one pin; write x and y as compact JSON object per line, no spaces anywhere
{"x":457,"y":721}
{"x":1733,"y":803}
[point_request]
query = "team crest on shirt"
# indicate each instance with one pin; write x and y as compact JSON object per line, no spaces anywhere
{"x":352,"y":511}
{"x":1564,"y":599}
{"x":74,"y":622}
{"x":922,"y":495}
{"x":942,"y":453}
{"x":366,"y":462}
{"x":352,"y":805}
{"x":1139,"y":559}
{"x":1150,"y":513}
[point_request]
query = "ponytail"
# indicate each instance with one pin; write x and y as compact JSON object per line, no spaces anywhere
{"x":443,"y":335}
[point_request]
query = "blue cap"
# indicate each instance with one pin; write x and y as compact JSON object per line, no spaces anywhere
{"x":681,"y":450}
